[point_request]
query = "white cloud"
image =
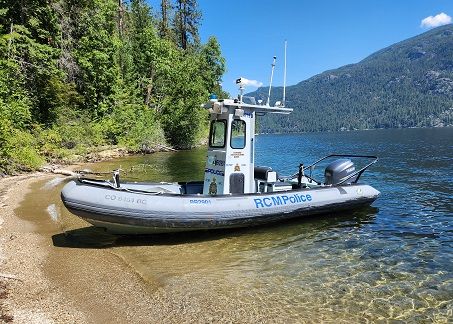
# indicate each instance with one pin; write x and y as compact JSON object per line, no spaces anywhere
{"x":253,"y":83}
{"x":436,"y":21}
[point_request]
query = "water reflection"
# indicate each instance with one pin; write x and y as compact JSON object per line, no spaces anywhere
{"x":165,"y":166}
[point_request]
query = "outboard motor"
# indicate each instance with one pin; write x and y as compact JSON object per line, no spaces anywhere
{"x":338,"y":170}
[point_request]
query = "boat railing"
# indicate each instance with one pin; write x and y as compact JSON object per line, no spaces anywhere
{"x":357,"y":174}
{"x":116,"y":186}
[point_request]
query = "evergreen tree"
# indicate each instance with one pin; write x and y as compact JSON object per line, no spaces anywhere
{"x":164,"y":23}
{"x":186,"y":21}
{"x":212,"y":67}
{"x":95,"y":53}
{"x":32,"y":44}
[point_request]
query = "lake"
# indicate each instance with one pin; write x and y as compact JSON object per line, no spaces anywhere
{"x":390,"y":261}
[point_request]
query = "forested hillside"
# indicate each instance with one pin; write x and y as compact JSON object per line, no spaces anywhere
{"x":409,"y":84}
{"x":79,"y":74}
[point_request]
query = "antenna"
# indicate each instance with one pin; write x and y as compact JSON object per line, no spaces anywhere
{"x":241,"y":88}
{"x":284,"y":79}
{"x":270,"y":83}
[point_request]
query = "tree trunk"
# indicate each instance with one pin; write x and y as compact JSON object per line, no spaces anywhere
{"x":164,"y":23}
{"x":149,"y":88}
{"x":120,"y":17}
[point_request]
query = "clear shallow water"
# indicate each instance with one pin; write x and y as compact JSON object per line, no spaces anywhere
{"x":390,"y":261}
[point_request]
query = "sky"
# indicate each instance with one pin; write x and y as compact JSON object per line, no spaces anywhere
{"x":320,"y":35}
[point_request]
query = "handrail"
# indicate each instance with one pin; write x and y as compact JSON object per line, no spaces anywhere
{"x":357,"y":173}
{"x":108,"y":184}
{"x":343,"y":155}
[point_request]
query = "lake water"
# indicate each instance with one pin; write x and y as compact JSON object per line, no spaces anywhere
{"x":390,"y":261}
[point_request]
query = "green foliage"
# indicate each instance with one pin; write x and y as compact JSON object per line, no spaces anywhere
{"x":77,"y":75}
{"x":29,"y":41}
{"x":95,"y":55}
{"x":141,"y":130}
{"x":212,"y":67}
{"x":15,"y":103}
{"x":185,"y":24}
{"x":22,"y":148}
{"x":181,"y":115}
{"x":18,"y":148}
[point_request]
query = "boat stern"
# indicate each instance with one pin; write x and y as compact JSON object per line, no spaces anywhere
{"x":368,"y":192}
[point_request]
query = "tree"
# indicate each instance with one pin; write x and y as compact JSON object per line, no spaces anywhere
{"x":185,"y":24}
{"x":95,"y":55}
{"x":181,"y":115}
{"x":164,"y":23}
{"x":17,"y":146}
{"x":79,"y":73}
{"x":212,"y":66}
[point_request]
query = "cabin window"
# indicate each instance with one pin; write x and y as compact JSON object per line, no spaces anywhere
{"x":217,"y":133}
{"x":238,"y":134}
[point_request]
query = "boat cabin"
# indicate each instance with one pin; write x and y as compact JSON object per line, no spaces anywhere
{"x":230,"y":165}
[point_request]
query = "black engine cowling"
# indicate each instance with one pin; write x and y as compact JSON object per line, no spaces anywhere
{"x":338,"y":170}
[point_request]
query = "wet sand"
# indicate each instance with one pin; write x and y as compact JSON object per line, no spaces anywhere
{"x":50,"y":278}
{"x":31,"y":296}
{"x":49,"y":284}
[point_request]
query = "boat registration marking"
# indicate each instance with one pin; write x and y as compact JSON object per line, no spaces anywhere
{"x":281,"y":200}
{"x":125,"y":199}
{"x":200,"y":201}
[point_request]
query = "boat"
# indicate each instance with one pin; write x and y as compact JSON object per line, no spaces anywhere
{"x":234,"y":192}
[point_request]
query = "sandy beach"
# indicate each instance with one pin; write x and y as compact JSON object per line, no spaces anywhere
{"x":30,"y":296}
{"x":46,"y":277}
{"x":42,"y":283}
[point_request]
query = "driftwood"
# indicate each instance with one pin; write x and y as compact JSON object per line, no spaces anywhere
{"x":72,"y":173}
{"x":65,"y":172}
{"x":166,"y":147}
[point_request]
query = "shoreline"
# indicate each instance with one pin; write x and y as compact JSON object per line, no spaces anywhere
{"x":51,"y":278}
{"x":45,"y":283}
{"x":23,"y":253}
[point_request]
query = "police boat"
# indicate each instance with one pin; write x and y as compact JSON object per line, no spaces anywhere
{"x":234,"y":192}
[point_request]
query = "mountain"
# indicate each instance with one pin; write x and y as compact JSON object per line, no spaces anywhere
{"x":408,"y":84}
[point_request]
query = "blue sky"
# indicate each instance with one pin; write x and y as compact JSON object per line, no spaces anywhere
{"x":321,"y":35}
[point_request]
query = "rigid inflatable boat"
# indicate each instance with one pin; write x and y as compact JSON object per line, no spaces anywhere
{"x":234,"y":192}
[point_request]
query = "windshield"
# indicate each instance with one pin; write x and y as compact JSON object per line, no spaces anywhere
{"x":238,"y":134}
{"x":217,"y":133}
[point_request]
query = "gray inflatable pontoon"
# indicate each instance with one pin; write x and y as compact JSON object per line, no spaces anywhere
{"x":152,"y":208}
{"x":234,"y":193}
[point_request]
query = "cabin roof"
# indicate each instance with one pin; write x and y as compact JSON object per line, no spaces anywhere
{"x":258,"y":108}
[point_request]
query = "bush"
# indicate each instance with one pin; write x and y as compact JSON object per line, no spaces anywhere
{"x":134,"y":126}
{"x":21,"y":151}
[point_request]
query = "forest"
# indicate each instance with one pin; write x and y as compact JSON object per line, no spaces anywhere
{"x":408,"y":84}
{"x":80,"y":75}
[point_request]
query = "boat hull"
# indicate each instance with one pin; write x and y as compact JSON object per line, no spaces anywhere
{"x":127,"y":212}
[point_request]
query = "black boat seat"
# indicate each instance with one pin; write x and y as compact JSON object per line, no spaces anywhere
{"x":265,"y":174}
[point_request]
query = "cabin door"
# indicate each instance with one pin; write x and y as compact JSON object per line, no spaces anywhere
{"x":237,"y":181}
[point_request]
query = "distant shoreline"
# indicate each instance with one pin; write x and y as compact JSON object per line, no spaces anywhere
{"x":353,"y":130}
